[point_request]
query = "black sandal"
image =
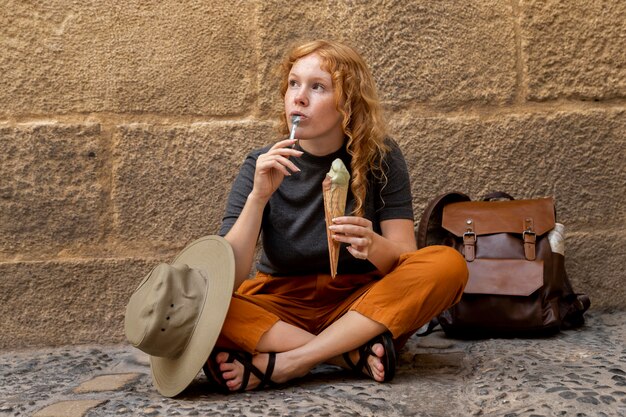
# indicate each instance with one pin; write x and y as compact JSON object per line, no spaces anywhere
{"x":388,"y":359}
{"x":214,"y":374}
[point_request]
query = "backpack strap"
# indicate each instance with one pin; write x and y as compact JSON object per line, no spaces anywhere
{"x":432,"y":214}
{"x":572,"y":306}
{"x":428,"y":328}
{"x":575,"y":307}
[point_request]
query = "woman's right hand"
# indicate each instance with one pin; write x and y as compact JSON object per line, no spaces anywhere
{"x":272,"y":167}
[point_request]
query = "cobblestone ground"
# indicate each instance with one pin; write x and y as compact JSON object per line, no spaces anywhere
{"x":575,"y":373}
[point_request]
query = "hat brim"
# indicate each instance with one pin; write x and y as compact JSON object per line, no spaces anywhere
{"x":214,"y":255}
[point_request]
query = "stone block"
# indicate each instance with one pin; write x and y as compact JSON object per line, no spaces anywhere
{"x":574,"y":49}
{"x":576,"y":157}
{"x":112,"y":382}
{"x":171,"y":183}
{"x":442,"y":53}
{"x":51,"y":194}
{"x":179,"y":57}
{"x":67,"y":302}
{"x":595,"y":265}
{"x":70,"y":408}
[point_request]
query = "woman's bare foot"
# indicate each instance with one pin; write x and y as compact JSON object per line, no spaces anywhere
{"x":233,"y":372}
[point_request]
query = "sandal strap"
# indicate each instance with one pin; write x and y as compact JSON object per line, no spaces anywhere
{"x":269,"y":370}
{"x":364,"y":352}
{"x":346,"y":357}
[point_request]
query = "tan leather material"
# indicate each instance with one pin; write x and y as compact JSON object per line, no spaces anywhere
{"x":500,"y":216}
{"x":529,"y":245}
{"x":504,"y":277}
{"x":529,"y":224}
{"x":469,"y":241}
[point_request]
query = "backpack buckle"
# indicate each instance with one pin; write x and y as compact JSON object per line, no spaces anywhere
{"x":469,"y":241}
{"x":529,"y":237}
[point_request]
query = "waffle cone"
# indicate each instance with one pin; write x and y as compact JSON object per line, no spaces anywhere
{"x":334,"y":206}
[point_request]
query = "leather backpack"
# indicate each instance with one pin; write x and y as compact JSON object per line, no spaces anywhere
{"x":514,"y":252}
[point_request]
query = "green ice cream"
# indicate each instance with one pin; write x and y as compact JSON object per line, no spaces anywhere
{"x":339,"y":175}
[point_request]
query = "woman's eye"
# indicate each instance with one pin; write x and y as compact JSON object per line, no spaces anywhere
{"x":318,"y":86}
{"x":292,"y":83}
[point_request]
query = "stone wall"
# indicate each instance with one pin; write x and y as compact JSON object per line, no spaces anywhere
{"x":122,"y":124}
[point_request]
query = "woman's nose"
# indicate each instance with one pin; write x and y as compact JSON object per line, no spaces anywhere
{"x":301,"y":98}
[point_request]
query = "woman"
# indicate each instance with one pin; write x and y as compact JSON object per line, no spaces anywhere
{"x":293,"y":316}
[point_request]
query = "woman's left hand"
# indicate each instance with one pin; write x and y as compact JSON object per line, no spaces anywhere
{"x":357,"y":232}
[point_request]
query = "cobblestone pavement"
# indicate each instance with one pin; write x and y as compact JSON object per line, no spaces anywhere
{"x":575,"y":373}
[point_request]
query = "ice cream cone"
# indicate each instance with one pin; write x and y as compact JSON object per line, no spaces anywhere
{"x":335,"y":191}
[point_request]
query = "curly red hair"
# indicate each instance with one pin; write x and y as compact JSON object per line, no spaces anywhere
{"x":363,"y":122}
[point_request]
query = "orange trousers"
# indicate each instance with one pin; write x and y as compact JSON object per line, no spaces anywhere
{"x":423,"y":284}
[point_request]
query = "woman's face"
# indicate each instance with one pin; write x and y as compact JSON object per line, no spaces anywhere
{"x":310,"y":94}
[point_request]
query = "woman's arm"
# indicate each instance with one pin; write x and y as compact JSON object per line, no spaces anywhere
{"x":243,"y":237}
{"x":270,"y":170}
{"x":382,"y":250}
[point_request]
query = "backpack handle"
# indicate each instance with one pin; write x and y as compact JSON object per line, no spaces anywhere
{"x":432,"y":213}
{"x":497,"y":195}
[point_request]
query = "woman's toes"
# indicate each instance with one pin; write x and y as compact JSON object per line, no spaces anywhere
{"x":221,"y":357}
{"x":230,"y":371}
{"x":378,"y":349}
{"x":233,"y":384}
{"x":378,"y":371}
{"x":375,"y":362}
{"x":233,"y":378}
{"x":229,"y":375}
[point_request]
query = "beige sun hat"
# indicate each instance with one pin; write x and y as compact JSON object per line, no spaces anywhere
{"x":177,"y":312}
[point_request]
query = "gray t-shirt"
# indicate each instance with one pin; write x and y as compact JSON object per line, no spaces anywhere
{"x":293,"y":229}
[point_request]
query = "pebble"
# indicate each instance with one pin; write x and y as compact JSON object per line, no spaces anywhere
{"x":588,"y":400}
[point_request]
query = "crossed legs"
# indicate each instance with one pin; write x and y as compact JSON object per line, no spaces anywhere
{"x":300,"y":351}
{"x":430,"y":281}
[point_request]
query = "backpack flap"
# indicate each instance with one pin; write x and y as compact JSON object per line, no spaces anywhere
{"x":526,"y":218}
{"x":499,"y":216}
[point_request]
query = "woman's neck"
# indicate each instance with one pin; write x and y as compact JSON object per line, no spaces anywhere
{"x":321,"y":147}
